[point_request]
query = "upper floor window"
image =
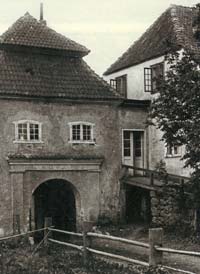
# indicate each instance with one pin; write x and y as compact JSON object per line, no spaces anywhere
{"x":81,"y":132}
{"x":27,"y":131}
{"x":173,"y":151}
{"x":151,"y":76}
{"x":120,"y":84}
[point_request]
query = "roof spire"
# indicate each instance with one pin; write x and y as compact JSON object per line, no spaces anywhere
{"x":42,"y":14}
{"x":41,"y":11}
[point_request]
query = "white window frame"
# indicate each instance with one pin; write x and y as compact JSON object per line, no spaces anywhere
{"x":122,"y":138}
{"x":81,"y":141}
{"x":173,"y":154}
{"x":28,"y":122}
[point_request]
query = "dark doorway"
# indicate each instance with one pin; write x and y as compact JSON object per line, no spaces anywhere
{"x":55,"y":198}
{"x":138,"y":205}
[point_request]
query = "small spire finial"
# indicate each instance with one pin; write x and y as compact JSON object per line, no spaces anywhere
{"x":41,"y":12}
{"x":42,"y":15}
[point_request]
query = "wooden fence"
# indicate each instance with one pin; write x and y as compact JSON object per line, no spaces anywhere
{"x":154,"y":247}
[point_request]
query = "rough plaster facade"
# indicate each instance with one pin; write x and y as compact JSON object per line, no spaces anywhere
{"x":92,"y":170}
{"x":135,"y":90}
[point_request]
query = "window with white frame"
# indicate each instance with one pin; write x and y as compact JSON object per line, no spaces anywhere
{"x":81,"y":132}
{"x":173,"y":151}
{"x":27,"y":131}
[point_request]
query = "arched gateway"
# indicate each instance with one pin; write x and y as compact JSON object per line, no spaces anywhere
{"x":55,"y":198}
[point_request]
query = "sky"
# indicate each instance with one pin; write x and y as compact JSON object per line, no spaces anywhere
{"x":106,"y":27}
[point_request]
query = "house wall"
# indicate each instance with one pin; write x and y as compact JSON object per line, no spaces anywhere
{"x":158,"y":152}
{"x":98,"y":191}
{"x":135,"y":79}
{"x":97,"y":184}
{"x":135,"y":90}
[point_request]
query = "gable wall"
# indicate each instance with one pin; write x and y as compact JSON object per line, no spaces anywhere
{"x":135,"y":79}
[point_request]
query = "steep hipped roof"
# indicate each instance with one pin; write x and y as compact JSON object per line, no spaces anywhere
{"x":28,"y":31}
{"x":174,"y":26}
{"x":36,"y":61}
{"x":38,"y":75}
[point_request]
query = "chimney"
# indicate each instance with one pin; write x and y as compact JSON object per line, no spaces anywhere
{"x":42,"y":21}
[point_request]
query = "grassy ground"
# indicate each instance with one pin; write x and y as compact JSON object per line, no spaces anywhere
{"x":18,"y":257}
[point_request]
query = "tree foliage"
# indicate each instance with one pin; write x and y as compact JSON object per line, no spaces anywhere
{"x":176,"y":109}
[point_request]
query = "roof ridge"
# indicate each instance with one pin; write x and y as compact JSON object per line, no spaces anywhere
{"x":154,"y":42}
{"x":135,"y":42}
{"x":175,"y":20}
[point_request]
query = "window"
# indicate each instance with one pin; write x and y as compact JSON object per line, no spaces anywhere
{"x":138,"y":144}
{"x":151,"y":76}
{"x":27,"y":131}
{"x":173,"y":151}
{"x":120,"y":85}
{"x":127,"y":143}
{"x":113,"y":83}
{"x":81,"y":132}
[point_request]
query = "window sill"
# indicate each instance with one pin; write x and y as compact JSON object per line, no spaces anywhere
{"x":27,"y":142}
{"x":82,"y":142}
{"x":173,"y":156}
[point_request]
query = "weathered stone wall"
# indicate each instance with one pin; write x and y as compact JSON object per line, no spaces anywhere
{"x":167,"y":207}
{"x":164,"y":208}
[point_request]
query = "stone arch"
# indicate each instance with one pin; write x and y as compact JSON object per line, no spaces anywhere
{"x":62,"y":192}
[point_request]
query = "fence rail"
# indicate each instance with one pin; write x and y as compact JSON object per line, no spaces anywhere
{"x":118,"y":239}
{"x":114,"y":256}
{"x":176,"y":251}
{"x":66,"y":232}
{"x":23,"y":234}
{"x":79,"y":247}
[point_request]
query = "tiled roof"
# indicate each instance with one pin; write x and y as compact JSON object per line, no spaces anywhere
{"x":28,"y":31}
{"x":174,"y":26}
{"x":41,"y":75}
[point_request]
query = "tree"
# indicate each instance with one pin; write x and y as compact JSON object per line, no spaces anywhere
{"x":176,"y":110}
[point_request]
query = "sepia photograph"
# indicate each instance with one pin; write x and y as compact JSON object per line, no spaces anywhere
{"x":100,"y":137}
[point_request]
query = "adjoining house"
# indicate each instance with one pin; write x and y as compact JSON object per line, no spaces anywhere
{"x":61,"y":132}
{"x":134,"y":76}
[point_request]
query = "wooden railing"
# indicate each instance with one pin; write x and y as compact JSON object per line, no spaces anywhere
{"x":153,"y":174}
{"x":155,"y":248}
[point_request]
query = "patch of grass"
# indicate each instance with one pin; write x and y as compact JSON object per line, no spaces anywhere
{"x":17,"y":257}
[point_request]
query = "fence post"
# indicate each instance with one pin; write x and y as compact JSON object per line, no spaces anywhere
{"x":47,"y":223}
{"x":86,"y":229}
{"x":155,"y":238}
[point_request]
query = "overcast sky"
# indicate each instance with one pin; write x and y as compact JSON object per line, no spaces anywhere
{"x":106,"y":27}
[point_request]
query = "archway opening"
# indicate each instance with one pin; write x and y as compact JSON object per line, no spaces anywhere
{"x":55,"y":199}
